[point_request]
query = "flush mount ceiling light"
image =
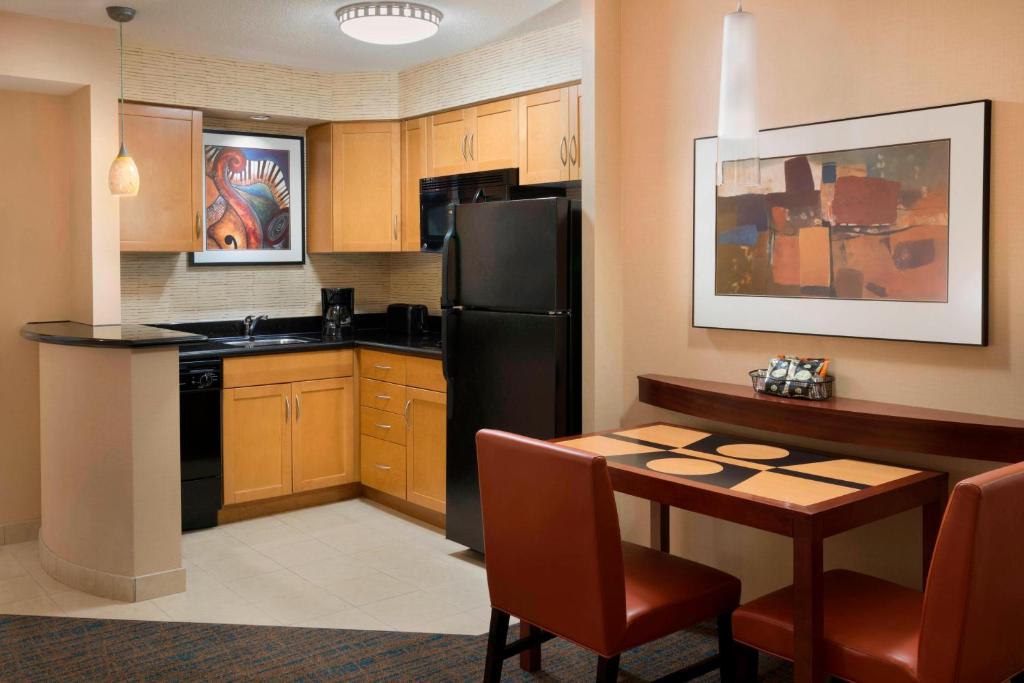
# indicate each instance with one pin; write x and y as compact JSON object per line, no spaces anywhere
{"x":388,"y":23}
{"x":738,"y":162}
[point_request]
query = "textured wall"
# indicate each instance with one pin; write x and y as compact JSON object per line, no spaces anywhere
{"x":531,"y":61}
{"x":164,"y":288}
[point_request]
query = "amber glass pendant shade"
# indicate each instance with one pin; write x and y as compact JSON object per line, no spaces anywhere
{"x":123,"y":177}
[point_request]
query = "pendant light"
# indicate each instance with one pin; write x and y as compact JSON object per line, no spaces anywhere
{"x":388,"y":23}
{"x":738,"y":162}
{"x":123,"y":177}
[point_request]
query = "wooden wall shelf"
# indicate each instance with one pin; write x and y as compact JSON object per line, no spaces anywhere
{"x":844,"y":420}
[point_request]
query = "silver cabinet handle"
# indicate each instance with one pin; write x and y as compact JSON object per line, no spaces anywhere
{"x":298,"y":408}
{"x":383,"y":397}
{"x":382,"y":367}
{"x":405,"y":411}
{"x":197,"y":225}
{"x":563,"y":149}
{"x":572,"y":150}
{"x":465,"y":139}
{"x":381,"y":426}
{"x":394,"y":227}
{"x":472,"y":154}
{"x":382,"y":467}
{"x":287,"y":409}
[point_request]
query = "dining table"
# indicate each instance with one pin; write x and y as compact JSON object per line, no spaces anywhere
{"x":804,"y":494}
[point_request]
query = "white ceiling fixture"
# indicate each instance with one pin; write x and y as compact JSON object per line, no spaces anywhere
{"x":738,"y":162}
{"x":389,"y":23}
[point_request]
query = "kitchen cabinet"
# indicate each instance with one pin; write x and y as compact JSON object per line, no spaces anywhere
{"x":354,"y":189}
{"x":415,"y":155}
{"x":167,"y":213}
{"x":257,"y":433}
{"x":425,"y":446}
{"x":403,"y":425}
{"x":549,"y":140}
{"x":287,"y":424}
{"x":480,"y":138}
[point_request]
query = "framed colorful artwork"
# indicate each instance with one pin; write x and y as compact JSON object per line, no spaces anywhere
{"x":870,"y":227}
{"x":253,"y":199}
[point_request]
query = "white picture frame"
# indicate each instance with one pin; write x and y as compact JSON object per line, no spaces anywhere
{"x":960,"y":319}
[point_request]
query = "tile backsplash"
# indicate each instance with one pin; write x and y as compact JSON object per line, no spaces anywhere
{"x":165,"y":288}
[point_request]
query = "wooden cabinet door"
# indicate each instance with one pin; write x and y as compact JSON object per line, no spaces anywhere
{"x":544,"y":137}
{"x":323,"y":440}
{"x":426,"y":417}
{"x":382,"y":465}
{"x":257,"y":435}
{"x":167,"y":145}
{"x":319,"y":190}
{"x":575,"y":132}
{"x":494,"y":140}
{"x":449,"y":142}
{"x":414,"y":168}
{"x":366,"y":173}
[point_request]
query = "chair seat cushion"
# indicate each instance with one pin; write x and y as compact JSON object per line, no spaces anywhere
{"x":665,"y":594}
{"x":871,"y":627}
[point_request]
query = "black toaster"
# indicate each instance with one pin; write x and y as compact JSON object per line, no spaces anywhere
{"x":407,"y":320}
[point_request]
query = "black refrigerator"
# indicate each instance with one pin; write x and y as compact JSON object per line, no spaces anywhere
{"x":511,"y":335}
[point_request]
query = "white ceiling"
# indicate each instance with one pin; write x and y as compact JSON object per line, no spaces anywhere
{"x":303,"y":33}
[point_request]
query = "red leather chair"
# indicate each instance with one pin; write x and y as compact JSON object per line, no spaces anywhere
{"x":966,"y":627}
{"x":555,"y":559}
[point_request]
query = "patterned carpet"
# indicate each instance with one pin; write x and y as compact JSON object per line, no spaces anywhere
{"x":59,"y":649}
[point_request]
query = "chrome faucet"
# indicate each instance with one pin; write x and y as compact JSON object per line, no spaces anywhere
{"x":249,"y":324}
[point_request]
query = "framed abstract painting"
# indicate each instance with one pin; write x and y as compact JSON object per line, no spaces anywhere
{"x":253,"y":198}
{"x":869,"y":227}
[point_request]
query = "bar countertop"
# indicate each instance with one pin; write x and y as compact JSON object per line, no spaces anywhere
{"x":70,"y":333}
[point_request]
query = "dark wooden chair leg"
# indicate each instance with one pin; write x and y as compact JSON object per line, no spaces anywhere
{"x":496,"y":638}
{"x":726,"y":648}
{"x":607,"y":669}
{"x":529,"y":659}
{"x":746,"y":659}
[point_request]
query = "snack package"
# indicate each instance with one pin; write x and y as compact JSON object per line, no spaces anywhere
{"x":787,"y":373}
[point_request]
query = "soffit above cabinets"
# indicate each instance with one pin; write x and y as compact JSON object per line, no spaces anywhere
{"x":304,"y":33}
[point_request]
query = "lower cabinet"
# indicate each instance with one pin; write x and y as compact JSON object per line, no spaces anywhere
{"x":287,"y":437}
{"x":403,"y":428}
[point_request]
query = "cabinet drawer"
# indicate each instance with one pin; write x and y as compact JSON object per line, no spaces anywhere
{"x":386,"y":367}
{"x":382,"y":465}
{"x":425,"y":374}
{"x":279,"y":368}
{"x":382,"y":395}
{"x":382,"y":425}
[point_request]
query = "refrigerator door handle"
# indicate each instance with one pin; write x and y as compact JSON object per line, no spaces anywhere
{"x":449,"y":268}
{"x":449,"y":330}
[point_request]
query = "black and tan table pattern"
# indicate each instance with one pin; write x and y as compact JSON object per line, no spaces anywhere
{"x":786,"y":475}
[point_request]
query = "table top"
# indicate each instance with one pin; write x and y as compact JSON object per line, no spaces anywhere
{"x":747,"y":476}
{"x":70,"y":333}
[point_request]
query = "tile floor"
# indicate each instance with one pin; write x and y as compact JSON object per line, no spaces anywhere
{"x":353,"y":564}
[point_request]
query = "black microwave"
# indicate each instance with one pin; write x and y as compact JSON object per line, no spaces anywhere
{"x":438,"y":197}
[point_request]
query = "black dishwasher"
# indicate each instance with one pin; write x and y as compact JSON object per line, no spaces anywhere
{"x":199,"y":384}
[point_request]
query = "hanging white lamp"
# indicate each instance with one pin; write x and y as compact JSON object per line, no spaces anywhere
{"x":738,"y":162}
{"x":388,"y":23}
{"x":123,"y":177}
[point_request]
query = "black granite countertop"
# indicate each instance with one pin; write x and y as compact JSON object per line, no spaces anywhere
{"x":70,"y":333}
{"x":224,"y":338}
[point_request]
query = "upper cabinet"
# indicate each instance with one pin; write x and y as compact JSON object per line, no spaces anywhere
{"x":354,"y":192}
{"x":415,"y":157}
{"x":167,"y":213}
{"x":480,"y":138}
{"x":575,"y":133}
{"x":549,"y":141}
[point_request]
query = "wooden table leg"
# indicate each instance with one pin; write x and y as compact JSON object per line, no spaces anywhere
{"x":808,"y":608}
{"x":659,"y":526}
{"x":931,"y":520}
{"x":529,"y":659}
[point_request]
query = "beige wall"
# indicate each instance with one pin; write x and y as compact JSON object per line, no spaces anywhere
{"x":56,"y":53}
{"x":34,"y":274}
{"x":818,"y":60}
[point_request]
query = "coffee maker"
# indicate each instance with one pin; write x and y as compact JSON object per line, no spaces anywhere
{"x":337,"y":309}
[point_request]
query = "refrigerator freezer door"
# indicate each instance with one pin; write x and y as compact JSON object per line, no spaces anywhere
{"x":510,"y":256}
{"x":516,"y":378}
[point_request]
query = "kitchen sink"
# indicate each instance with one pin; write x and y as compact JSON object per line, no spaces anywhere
{"x":258,"y":342}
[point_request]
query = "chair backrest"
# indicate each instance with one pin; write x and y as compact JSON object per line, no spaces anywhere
{"x":551,"y":538}
{"x":972,"y":626}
